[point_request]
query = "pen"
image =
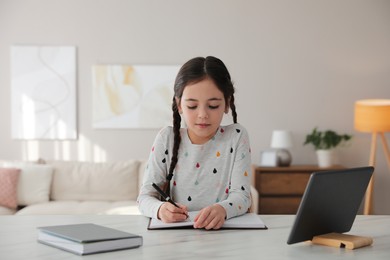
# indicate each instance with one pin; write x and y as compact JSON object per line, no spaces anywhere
{"x":164,"y":195}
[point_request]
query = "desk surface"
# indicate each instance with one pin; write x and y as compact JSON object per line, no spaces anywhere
{"x":18,"y":240}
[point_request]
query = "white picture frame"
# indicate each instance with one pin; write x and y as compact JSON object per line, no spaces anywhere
{"x":43,"y":92}
{"x":268,"y":158}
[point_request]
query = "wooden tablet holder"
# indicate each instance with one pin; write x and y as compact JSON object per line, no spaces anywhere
{"x":342,"y":240}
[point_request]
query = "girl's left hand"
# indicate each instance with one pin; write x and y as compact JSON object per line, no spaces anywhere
{"x":211,"y":217}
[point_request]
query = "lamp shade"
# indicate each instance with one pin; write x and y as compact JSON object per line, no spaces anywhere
{"x":372,"y":115}
{"x":281,"y":139}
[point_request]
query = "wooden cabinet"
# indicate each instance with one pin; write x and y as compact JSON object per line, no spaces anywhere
{"x":281,"y":188}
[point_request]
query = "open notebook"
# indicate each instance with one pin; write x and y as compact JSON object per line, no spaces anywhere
{"x":246,"y":221}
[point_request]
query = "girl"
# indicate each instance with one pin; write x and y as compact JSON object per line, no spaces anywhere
{"x":204,"y":167}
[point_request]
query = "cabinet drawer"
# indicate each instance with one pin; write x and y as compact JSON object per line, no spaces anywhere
{"x":275,"y":205}
{"x":282,"y":183}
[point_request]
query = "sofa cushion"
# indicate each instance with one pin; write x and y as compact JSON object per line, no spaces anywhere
{"x":81,"y":208}
{"x":6,"y":211}
{"x":34,"y":182}
{"x":8,"y":187}
{"x":111,"y":181}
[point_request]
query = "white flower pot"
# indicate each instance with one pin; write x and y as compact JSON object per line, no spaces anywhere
{"x":325,"y":158}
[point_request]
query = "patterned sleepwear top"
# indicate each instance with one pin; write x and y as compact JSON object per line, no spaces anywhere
{"x":218,"y":171}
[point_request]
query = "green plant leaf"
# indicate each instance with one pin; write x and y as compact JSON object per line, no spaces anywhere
{"x":325,"y":140}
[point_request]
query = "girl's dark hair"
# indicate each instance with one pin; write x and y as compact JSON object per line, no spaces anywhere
{"x":193,"y":71}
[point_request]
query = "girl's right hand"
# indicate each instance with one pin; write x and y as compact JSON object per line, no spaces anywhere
{"x":169,"y":213}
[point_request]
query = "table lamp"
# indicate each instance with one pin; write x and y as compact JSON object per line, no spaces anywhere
{"x":373,"y":116}
{"x":281,"y":140}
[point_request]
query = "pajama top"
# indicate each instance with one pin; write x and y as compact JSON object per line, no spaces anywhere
{"x":218,"y":171}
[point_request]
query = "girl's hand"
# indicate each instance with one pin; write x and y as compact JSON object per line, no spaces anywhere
{"x":169,"y":213}
{"x":211,"y":217}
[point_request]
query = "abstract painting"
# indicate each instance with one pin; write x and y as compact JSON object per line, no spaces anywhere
{"x":132,"y":96}
{"x":43,"y":89}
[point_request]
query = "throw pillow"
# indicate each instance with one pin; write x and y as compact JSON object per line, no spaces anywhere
{"x":8,"y":187}
{"x":34,"y":182}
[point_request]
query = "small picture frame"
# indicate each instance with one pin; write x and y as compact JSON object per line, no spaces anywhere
{"x":268,"y":158}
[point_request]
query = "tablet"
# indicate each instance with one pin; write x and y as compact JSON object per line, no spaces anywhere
{"x":330,"y":203}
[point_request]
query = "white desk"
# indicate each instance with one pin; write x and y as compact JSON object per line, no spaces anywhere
{"x":18,"y":240}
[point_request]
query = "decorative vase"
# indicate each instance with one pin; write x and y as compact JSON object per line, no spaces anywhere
{"x":325,"y":158}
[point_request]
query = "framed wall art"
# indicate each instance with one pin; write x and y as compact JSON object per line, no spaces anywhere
{"x":43,"y":90}
{"x":132,"y":96}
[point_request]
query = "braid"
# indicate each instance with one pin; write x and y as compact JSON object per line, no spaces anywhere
{"x":176,"y":143}
{"x":233,"y":108}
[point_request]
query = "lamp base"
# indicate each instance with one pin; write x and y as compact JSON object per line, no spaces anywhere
{"x":283,"y":157}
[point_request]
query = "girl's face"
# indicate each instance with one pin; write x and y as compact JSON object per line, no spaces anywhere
{"x":202,"y":106}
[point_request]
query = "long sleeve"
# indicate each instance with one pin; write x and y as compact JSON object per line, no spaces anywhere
{"x":238,"y":200}
{"x":155,"y":172}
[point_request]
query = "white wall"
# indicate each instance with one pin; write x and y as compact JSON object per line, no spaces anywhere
{"x":296,"y":65}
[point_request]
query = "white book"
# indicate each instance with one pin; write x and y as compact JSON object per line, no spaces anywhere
{"x":246,"y":221}
{"x":83,"y":239}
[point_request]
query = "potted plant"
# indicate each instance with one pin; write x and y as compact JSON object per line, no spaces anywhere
{"x":324,"y":143}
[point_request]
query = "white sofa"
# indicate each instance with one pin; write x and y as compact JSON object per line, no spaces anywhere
{"x":64,"y":187}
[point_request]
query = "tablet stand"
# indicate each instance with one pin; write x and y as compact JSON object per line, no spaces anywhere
{"x":342,"y":240}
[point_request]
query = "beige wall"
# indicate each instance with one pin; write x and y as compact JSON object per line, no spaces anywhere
{"x":296,"y":65}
